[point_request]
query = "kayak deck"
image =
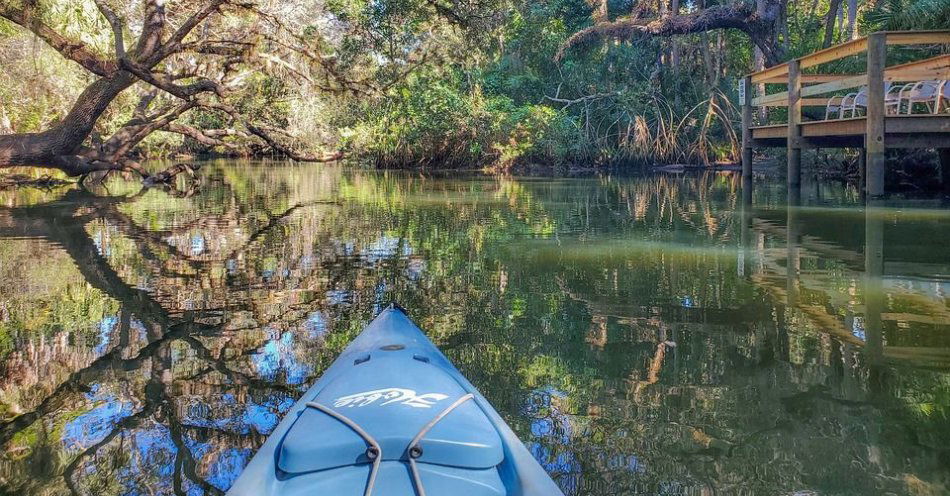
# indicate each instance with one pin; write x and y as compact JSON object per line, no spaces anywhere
{"x":392,"y":416}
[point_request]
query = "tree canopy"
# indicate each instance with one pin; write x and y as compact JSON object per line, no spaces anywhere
{"x":96,"y":85}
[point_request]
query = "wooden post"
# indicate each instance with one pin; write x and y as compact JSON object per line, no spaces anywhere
{"x":862,"y":170}
{"x":794,"y":127}
{"x":745,"y":94}
{"x":874,"y":137}
{"x":945,"y":168}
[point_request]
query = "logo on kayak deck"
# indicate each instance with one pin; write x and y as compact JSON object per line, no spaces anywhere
{"x":389,"y":396}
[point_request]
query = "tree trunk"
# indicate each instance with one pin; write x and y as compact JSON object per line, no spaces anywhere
{"x":61,"y":146}
{"x":830,"y":18}
{"x":841,"y":14}
{"x":600,"y":10}
{"x":5,"y":125}
{"x":852,"y":18}
{"x":675,"y":48}
{"x":758,"y":64}
{"x":720,"y":57}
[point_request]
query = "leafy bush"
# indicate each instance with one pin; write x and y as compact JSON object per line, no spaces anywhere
{"x":431,"y":121}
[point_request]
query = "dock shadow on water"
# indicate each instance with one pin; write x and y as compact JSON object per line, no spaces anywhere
{"x":644,"y":335}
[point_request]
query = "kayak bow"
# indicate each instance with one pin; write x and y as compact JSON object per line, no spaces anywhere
{"x":393,"y":417}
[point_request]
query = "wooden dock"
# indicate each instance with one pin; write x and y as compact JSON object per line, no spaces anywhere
{"x":874,"y":132}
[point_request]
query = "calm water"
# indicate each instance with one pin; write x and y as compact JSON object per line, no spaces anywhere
{"x":642,"y":335}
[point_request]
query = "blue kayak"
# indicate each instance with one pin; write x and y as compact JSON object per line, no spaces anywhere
{"x":393,"y":417}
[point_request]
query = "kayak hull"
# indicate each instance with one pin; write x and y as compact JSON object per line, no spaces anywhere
{"x":435,"y":433}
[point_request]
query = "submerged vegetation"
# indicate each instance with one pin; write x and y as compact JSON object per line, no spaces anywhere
{"x":92,"y":85}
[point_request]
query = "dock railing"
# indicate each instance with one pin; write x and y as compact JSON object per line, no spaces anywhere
{"x":874,"y":132}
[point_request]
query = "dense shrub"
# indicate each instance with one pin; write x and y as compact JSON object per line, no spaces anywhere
{"x":438,"y":122}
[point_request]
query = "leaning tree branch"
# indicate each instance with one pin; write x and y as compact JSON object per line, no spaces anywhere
{"x":144,"y":102}
{"x":153,"y":29}
{"x":132,"y":134}
{"x":266,"y":135}
{"x":225,"y":48}
{"x":173,"y":44}
{"x":288,"y":151}
{"x":62,"y":146}
{"x":201,"y":136}
{"x":164,"y":83}
{"x":741,"y":16}
{"x":736,"y":16}
{"x":568,"y":102}
{"x":116,"y":25}
{"x":74,"y":50}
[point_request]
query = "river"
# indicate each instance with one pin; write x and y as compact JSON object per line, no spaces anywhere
{"x":642,"y":335}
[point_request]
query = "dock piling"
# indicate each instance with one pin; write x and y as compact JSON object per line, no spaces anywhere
{"x":747,"y":140}
{"x":874,"y":136}
{"x":945,"y":168}
{"x":794,"y":125}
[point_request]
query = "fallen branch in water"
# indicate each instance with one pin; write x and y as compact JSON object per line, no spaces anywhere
{"x":568,"y":103}
{"x":168,"y":174}
{"x":288,"y":151}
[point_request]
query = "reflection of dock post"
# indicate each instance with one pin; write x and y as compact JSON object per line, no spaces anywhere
{"x":874,"y":133}
{"x":747,"y":140}
{"x":794,"y":259}
{"x":873,"y":290}
{"x":794,"y":124}
{"x":745,"y":240}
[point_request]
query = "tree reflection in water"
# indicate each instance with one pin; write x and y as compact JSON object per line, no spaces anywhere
{"x":646,"y":335}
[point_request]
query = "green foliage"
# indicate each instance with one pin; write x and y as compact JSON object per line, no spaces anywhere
{"x":265,"y":101}
{"x":438,"y":121}
{"x":516,"y":105}
{"x":908,"y":14}
{"x":7,"y":28}
{"x":406,"y":83}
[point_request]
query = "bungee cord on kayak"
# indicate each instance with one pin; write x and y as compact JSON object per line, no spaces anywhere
{"x":375,"y":453}
{"x":416,"y":452}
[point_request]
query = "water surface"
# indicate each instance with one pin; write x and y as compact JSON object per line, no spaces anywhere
{"x":643,"y":335}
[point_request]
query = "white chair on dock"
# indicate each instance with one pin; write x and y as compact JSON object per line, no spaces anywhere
{"x":926,"y":92}
{"x":892,"y":100}
{"x":833,"y":106}
{"x":845,"y":103}
{"x":942,"y":101}
{"x":852,"y":101}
